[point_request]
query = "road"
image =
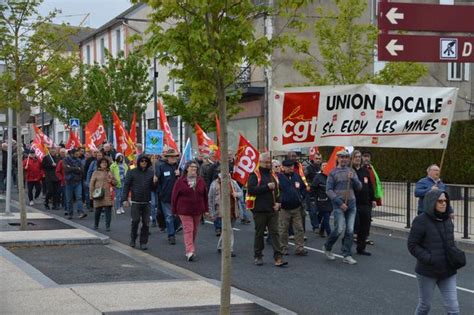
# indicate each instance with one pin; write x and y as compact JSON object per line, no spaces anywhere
{"x":380,"y":284}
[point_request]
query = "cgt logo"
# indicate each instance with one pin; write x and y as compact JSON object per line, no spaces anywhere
{"x":300,"y":113}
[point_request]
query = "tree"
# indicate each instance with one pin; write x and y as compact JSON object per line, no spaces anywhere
{"x":207,"y":42}
{"x":346,"y":50}
{"x":33,"y":56}
{"x":120,"y":84}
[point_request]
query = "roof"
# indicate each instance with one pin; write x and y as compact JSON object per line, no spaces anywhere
{"x":112,"y":22}
{"x":74,"y":33}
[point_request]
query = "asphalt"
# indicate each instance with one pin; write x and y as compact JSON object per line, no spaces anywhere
{"x":380,"y":284}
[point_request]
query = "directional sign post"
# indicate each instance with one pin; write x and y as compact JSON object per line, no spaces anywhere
{"x":426,"y":17}
{"x":420,"y":48}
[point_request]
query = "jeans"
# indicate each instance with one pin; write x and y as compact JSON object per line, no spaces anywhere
{"x":447,"y":287}
{"x":154,"y":205}
{"x":343,"y":223}
{"x":140,"y":212}
{"x":190,"y":228}
{"x":313,"y":213}
{"x":37,"y":187}
{"x":325,"y":226}
{"x":74,"y":190}
{"x":108,"y":216}
{"x":169,"y":218}
{"x":118,"y":195}
{"x":218,"y":224}
{"x":244,"y":213}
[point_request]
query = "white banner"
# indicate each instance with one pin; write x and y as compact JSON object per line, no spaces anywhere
{"x":365,"y":115}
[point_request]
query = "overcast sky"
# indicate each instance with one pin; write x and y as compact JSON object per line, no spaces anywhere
{"x":101,"y":11}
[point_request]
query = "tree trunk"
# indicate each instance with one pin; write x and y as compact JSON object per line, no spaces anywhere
{"x":21,"y":186}
{"x":225,"y":202}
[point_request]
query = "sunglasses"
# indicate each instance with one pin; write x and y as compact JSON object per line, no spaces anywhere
{"x":442,"y":201}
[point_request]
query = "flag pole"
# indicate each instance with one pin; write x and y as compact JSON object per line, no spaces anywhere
{"x":442,"y":160}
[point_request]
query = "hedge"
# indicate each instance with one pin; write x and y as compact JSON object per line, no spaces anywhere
{"x":411,"y":164}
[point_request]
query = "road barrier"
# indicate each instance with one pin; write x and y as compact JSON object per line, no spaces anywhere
{"x":400,"y":205}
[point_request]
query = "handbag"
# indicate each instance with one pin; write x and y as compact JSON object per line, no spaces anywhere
{"x":455,"y":257}
{"x":98,"y":193}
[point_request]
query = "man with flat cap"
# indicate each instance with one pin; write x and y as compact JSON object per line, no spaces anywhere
{"x":340,"y":186}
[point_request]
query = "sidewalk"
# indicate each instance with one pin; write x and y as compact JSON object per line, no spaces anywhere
{"x":69,"y":274}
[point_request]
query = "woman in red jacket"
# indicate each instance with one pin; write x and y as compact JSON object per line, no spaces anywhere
{"x":34,"y":175}
{"x":189,"y":201}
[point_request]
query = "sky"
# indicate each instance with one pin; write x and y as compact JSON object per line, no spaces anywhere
{"x":101,"y":11}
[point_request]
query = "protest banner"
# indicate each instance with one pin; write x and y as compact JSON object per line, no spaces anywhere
{"x":154,"y":141}
{"x":246,"y":161}
{"x":365,"y":115}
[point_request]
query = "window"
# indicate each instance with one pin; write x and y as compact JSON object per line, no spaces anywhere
{"x":119,"y":41}
{"x":88,"y":54}
{"x":458,"y":71}
{"x":102,"y":50}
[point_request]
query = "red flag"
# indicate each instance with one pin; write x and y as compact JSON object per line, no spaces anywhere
{"x":332,"y":160}
{"x":218,"y":130}
{"x":168,"y":140}
{"x":246,"y":160}
{"x":95,"y":132}
{"x":73,"y":142}
{"x":40,"y":149}
{"x":205,"y":144}
{"x":45,"y":140}
{"x":312,"y":152}
{"x":133,"y":128}
{"x":124,"y":143}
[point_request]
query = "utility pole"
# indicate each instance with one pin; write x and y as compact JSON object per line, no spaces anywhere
{"x":155,"y":95}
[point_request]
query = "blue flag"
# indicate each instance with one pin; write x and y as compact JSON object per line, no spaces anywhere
{"x":154,"y":142}
{"x":187,"y":155}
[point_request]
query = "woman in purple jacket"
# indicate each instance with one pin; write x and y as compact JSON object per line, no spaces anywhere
{"x":189,"y":201}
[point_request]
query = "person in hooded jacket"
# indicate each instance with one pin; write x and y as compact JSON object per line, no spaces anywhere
{"x":425,"y":243}
{"x":140,"y":182}
{"x":119,"y":169}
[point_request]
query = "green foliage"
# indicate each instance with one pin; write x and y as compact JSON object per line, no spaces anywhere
{"x":120,"y":84}
{"x":346,"y":50}
{"x":33,"y":50}
{"x":207,"y":42}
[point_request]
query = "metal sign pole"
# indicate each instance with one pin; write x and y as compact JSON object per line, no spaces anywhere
{"x":10,"y":162}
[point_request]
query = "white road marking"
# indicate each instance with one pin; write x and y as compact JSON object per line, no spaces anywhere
{"x":209,"y":222}
{"x":316,"y":250}
{"x":413,"y":276}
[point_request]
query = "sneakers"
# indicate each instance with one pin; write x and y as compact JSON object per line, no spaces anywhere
{"x":172,"y":240}
{"x":258,"y":261}
{"x":280,"y":262}
{"x":118,"y":211}
{"x":291,"y":237}
{"x":190,"y":257}
{"x":32,"y":203}
{"x":349,"y":260}
{"x":369,"y":242}
{"x":328,"y":253}
{"x":82,"y":216}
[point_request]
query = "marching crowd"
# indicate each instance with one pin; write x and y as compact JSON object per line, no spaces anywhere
{"x":278,"y":194}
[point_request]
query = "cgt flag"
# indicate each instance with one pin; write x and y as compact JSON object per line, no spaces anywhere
{"x":246,"y":160}
{"x":169,"y":140}
{"x":124,"y":143}
{"x":73,"y":142}
{"x":40,"y":149}
{"x":133,"y":128}
{"x":95,"y":132}
{"x":205,"y":144}
{"x":42,"y":137}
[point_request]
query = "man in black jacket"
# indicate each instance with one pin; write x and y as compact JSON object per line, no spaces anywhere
{"x":365,"y":201}
{"x":167,"y":173}
{"x":263,"y":198}
{"x":52,"y":182}
{"x":140,"y":182}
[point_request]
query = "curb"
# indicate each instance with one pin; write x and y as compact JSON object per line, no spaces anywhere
{"x":464,"y":244}
{"x":95,"y":239}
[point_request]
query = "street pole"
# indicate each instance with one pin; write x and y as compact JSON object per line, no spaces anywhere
{"x":155,"y":96}
{"x":9,"y":162}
